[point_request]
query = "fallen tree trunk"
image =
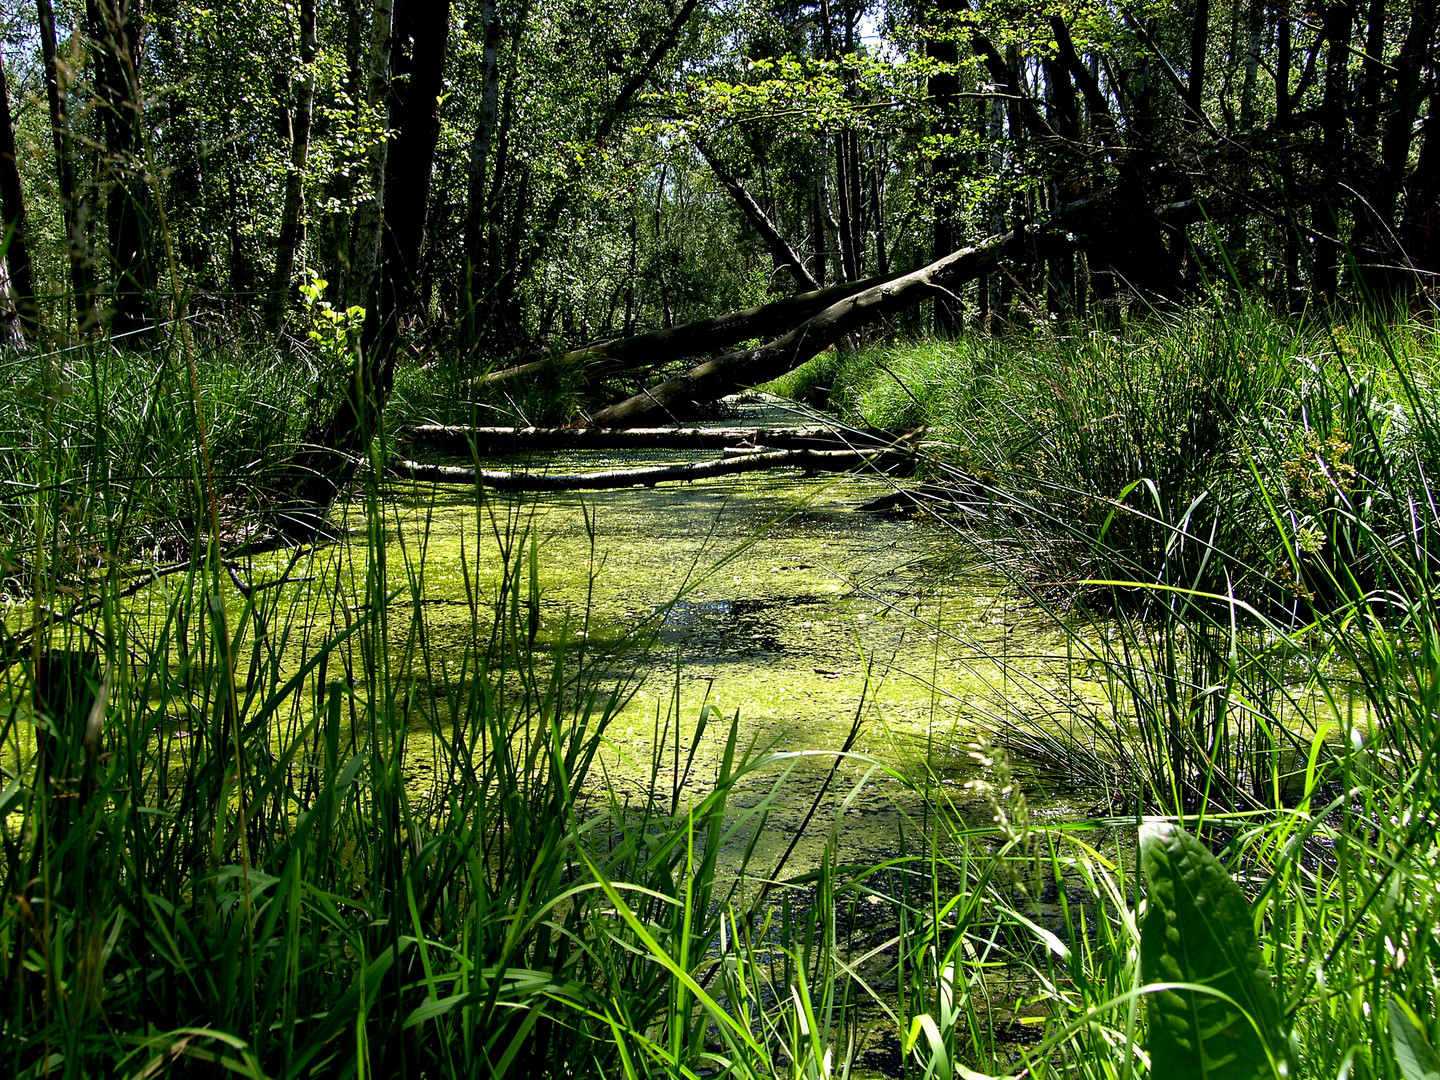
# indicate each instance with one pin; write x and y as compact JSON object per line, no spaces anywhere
{"x":809,"y":460}
{"x":502,"y":440}
{"x":1089,"y":216}
{"x":746,"y":367}
{"x":784,"y":256}
{"x":691,"y":339}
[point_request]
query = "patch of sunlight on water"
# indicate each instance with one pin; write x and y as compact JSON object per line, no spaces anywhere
{"x":775,"y":601}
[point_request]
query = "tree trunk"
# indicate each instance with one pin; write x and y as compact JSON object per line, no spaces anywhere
{"x":1330,"y":200}
{"x":509,"y":440}
{"x":292,"y":229}
{"x":368,"y":214}
{"x":849,"y":262}
{"x":418,"y":46}
{"x":691,"y":339}
{"x":417,"y":42}
{"x":746,"y":367}
{"x":781,"y":253}
{"x":943,"y":87}
{"x":1420,"y":225}
{"x":1254,"y":39}
{"x":115,"y":28}
{"x":72,"y":207}
{"x":646,"y":476}
{"x":1404,"y":107}
{"x":1195,"y":87}
{"x":12,"y":199}
{"x":477,"y":290}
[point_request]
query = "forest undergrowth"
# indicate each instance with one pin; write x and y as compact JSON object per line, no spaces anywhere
{"x":214,"y":863}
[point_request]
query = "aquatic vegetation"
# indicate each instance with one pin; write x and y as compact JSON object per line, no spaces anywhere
{"x":403,"y":803}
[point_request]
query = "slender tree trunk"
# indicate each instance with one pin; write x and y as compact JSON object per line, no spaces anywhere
{"x":292,"y":228}
{"x":1404,"y":107}
{"x":857,"y":202}
{"x":1420,"y":226}
{"x":848,"y":264}
{"x":496,"y":313}
{"x":115,"y":28}
{"x":667,"y":317}
{"x":1372,"y":77}
{"x":1330,"y":201}
{"x":72,"y":207}
{"x":877,"y":203}
{"x":820,"y":226}
{"x":366,"y":246}
{"x":417,"y":41}
{"x":782,"y":254}
{"x":943,"y":87}
{"x":1252,"y":64}
{"x":630,"y":275}
{"x":421,"y":35}
{"x":477,"y":288}
{"x":12,"y":199}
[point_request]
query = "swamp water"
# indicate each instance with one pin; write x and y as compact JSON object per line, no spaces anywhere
{"x":772,"y":599}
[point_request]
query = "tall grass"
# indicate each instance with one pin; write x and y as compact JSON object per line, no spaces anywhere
{"x":216,"y":851}
{"x":1235,"y":516}
{"x":257,"y":820}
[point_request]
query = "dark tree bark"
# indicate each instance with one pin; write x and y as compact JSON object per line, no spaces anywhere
{"x":365,"y":247}
{"x":477,"y":289}
{"x":1404,"y":107}
{"x":1420,"y":225}
{"x":419,"y":38}
{"x":820,"y":226}
{"x":292,"y":230}
{"x":1372,"y":72}
{"x":12,"y":200}
{"x":419,"y":34}
{"x":1094,"y":97}
{"x":115,"y":28}
{"x":72,"y":207}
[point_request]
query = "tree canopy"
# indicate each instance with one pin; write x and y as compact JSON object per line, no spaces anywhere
{"x":504,"y":175}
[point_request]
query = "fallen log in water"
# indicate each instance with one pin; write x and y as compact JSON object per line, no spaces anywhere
{"x":862,"y":306}
{"x":645,"y":476}
{"x":691,"y":339}
{"x":500,"y":440}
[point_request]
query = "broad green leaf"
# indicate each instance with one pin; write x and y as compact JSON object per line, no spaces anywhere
{"x":1198,"y":931}
{"x":1413,"y":1052}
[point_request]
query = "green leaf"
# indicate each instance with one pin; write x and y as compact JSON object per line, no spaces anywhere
{"x":1224,"y":1022}
{"x":1413,"y":1052}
